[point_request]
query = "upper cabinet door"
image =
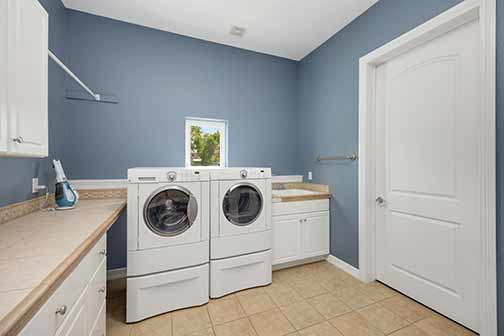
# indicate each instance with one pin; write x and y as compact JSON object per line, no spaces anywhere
{"x":3,"y":76}
{"x":27,"y":79}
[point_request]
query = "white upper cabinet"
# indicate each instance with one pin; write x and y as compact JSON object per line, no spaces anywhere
{"x":3,"y":77}
{"x":23,"y":71}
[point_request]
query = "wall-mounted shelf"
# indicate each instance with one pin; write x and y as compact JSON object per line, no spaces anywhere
{"x":76,"y":95}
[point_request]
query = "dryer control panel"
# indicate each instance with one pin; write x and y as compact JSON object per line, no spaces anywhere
{"x":240,"y":174}
{"x":162,"y":175}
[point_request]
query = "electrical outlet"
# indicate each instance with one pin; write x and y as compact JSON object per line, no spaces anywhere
{"x":36,"y":187}
{"x":310,"y":176}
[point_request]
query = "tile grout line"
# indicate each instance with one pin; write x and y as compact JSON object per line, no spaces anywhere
{"x":288,"y":284}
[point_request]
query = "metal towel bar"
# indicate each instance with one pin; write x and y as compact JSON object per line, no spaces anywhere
{"x":352,"y":157}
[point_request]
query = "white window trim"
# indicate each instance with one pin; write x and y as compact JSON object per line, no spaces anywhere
{"x":221,"y":125}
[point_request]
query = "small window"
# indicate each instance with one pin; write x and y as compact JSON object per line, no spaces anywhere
{"x":206,"y":142}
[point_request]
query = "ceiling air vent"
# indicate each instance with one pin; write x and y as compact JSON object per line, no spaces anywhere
{"x":237,"y":31}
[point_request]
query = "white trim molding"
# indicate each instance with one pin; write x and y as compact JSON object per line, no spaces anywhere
{"x":99,"y":184}
{"x":220,"y":125}
{"x":343,"y":266}
{"x":123,"y":183}
{"x":466,"y":11}
{"x":287,"y":179}
{"x":116,"y":273}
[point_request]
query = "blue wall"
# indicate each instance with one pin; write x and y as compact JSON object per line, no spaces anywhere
{"x":328,"y":106}
{"x":281,"y":113}
{"x":160,"y":78}
{"x":16,"y":173}
{"x":328,"y":112}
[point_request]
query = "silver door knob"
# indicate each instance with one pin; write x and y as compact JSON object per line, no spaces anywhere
{"x":18,"y":140}
{"x":101,"y":289}
{"x":380,"y":200}
{"x":61,"y":310}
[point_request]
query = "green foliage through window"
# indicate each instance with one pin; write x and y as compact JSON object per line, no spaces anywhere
{"x":205,"y":146}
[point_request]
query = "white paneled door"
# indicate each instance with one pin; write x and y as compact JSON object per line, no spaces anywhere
{"x":428,"y":186}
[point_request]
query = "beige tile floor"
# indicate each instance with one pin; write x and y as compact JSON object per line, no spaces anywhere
{"x":311,"y":300}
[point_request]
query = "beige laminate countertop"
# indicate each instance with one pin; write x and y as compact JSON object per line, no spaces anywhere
{"x":299,"y":191}
{"x":38,"y":251}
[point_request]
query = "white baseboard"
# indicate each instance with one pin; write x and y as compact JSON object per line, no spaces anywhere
{"x":343,"y":266}
{"x":278,"y":267}
{"x":116,"y":273}
{"x":99,"y":184}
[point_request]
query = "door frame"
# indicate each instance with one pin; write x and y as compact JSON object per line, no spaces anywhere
{"x":466,"y":11}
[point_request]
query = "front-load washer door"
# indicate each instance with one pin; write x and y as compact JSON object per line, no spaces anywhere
{"x":242,"y":207}
{"x":169,"y":214}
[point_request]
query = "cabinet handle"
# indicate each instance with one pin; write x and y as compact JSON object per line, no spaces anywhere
{"x":103,"y":252}
{"x":305,"y":220}
{"x":62,"y":310}
{"x":18,"y":140}
{"x":101,"y":290}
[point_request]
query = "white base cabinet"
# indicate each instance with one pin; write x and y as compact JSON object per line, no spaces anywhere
{"x":77,"y":307}
{"x":299,"y":233}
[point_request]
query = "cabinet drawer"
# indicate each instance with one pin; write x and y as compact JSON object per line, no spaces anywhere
{"x":99,"y":326}
{"x":46,"y":321}
{"x":54,"y":312}
{"x":291,"y":208}
{"x":97,"y":291}
{"x":76,"y":322}
{"x":96,"y":256}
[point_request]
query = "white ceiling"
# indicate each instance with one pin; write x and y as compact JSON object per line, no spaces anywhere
{"x":285,"y":28}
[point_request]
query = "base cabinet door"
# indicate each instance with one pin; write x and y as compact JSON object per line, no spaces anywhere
{"x":286,"y":239}
{"x":315,"y":234}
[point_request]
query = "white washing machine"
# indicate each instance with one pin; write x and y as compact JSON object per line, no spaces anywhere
{"x":240,"y":229}
{"x":168,"y":240}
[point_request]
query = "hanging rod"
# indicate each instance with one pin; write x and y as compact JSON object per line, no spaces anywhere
{"x":71,"y":74}
{"x":352,"y":157}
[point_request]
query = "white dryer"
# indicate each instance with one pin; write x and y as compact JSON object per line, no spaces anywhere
{"x":240,"y":229}
{"x":168,"y":240}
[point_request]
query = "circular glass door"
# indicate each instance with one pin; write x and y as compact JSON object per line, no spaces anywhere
{"x":170,"y":211}
{"x":242,"y":204}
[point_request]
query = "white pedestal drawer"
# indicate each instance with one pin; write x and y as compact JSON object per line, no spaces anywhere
{"x":77,"y":307}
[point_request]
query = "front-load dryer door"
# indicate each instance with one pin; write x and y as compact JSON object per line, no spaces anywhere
{"x":169,"y":214}
{"x":242,"y":208}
